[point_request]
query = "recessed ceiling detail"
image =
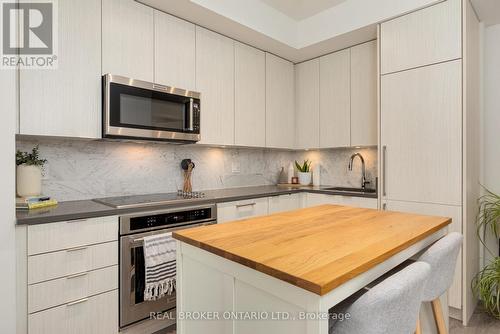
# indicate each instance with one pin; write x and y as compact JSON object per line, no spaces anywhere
{"x":301,"y":9}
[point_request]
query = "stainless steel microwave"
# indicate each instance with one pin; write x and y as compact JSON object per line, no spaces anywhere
{"x":136,"y":109}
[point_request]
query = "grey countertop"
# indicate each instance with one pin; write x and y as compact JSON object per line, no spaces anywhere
{"x":72,"y":210}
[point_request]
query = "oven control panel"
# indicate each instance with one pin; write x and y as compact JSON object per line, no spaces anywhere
{"x":177,"y":218}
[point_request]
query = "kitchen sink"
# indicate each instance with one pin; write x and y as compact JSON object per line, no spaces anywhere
{"x":352,"y":190}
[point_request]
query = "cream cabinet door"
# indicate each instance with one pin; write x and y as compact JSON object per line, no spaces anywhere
{"x":455,"y":213}
{"x":127,"y":39}
{"x":424,"y":37}
{"x":307,"y":104}
{"x":215,"y":82}
{"x":231,"y":211}
{"x":249,"y":96}
{"x":280,"y":103}
{"x":335,"y":101}
{"x":283,"y":203}
{"x":66,"y":101}
{"x":421,"y":134}
{"x":174,"y":55}
{"x":364,"y":94}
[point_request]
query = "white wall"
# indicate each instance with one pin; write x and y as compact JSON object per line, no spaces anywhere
{"x":8,"y":107}
{"x":491,"y":109}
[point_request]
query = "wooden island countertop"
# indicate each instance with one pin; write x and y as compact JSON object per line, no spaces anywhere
{"x":317,"y":248}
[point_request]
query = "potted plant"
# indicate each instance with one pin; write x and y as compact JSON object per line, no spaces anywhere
{"x":486,"y":284}
{"x":304,"y":172}
{"x":29,"y":173}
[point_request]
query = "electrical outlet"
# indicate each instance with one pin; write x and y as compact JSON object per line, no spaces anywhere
{"x":45,"y":172}
{"x":235,"y":167}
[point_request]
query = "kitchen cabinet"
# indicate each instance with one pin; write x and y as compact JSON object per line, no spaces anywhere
{"x":97,"y":315}
{"x":237,"y":210}
{"x":307,"y":104}
{"x":66,"y":101}
{"x":249,"y":96}
{"x":429,"y":126}
{"x":424,"y":37}
{"x":215,"y":82}
{"x":421,"y":134}
{"x":283,"y":203}
{"x":174,"y":51}
{"x":455,"y":212}
{"x":127,"y":39}
{"x":280,"y":103}
{"x":314,"y":199}
{"x":67,"y":275}
{"x":363,"y":94}
{"x":335,"y":101}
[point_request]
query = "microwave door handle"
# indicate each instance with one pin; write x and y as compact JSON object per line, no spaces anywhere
{"x":190,"y":128}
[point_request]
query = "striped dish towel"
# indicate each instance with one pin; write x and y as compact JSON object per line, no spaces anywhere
{"x":159,"y":261}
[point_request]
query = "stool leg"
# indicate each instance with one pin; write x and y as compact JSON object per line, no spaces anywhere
{"x":419,"y":329}
{"x":438,"y":316}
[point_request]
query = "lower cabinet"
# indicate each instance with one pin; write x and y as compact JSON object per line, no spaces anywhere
{"x":97,"y":315}
{"x":455,"y":212}
{"x":67,"y":274}
{"x":360,"y":202}
{"x":284,"y":203}
{"x":230,"y":211}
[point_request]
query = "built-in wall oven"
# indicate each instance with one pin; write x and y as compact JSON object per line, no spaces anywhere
{"x":138,"y":109}
{"x":133,"y":228}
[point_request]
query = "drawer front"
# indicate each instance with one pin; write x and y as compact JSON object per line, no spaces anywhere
{"x":96,"y":315}
{"x":51,"y":237}
{"x":284,"y":203}
{"x":241,"y":209}
{"x":359,"y":202}
{"x":71,"y":288}
{"x":44,"y":267}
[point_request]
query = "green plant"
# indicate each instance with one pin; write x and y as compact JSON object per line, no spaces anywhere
{"x":305,"y":167}
{"x":30,"y":159}
{"x":486,"y":284}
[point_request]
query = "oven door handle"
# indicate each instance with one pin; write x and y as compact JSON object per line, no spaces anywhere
{"x":141,"y":240}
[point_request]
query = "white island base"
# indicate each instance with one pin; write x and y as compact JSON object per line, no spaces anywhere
{"x":211,"y":288}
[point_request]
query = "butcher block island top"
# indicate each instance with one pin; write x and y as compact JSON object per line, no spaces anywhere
{"x":316,"y":248}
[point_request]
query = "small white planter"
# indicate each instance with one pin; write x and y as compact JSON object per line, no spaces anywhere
{"x":304,"y":178}
{"x":29,"y":180}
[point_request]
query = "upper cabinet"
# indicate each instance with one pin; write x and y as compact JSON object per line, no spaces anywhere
{"x":249,"y":96}
{"x":307,"y":104}
{"x":335,"y":101}
{"x":280,"y":103}
{"x":424,"y":37}
{"x":364,"y":94}
{"x":127,"y":39}
{"x":174,"y":51}
{"x":66,"y":101}
{"x":215,"y":82}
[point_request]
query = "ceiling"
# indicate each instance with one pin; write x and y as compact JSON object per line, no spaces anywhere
{"x":488,"y":11}
{"x":301,"y":9}
{"x":296,"y":30}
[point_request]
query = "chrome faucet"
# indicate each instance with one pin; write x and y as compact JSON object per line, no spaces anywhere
{"x":363,"y":174}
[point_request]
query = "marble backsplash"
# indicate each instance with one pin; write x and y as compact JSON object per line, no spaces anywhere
{"x":84,"y":169}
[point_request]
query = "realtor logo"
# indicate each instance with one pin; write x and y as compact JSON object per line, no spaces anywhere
{"x":29,"y":34}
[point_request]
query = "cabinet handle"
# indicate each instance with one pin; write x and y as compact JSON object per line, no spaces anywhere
{"x":76,"y":275}
{"x":76,"y":249}
{"x":384,"y":153}
{"x":77,"y":302}
{"x":243,"y":205}
{"x":76,"y":221}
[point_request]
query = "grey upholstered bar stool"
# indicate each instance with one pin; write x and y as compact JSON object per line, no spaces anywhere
{"x":390,"y":307}
{"x":442,"y":257}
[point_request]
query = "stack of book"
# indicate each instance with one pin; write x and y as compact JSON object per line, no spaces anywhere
{"x":34,"y":202}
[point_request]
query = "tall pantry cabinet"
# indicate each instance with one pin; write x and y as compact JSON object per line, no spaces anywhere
{"x":429,"y":123}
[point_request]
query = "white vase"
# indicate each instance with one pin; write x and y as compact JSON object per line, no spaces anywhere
{"x":304,"y":178}
{"x":29,"y":180}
